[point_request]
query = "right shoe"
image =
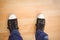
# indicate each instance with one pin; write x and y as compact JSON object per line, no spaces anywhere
{"x":40,"y":23}
{"x":12,"y":23}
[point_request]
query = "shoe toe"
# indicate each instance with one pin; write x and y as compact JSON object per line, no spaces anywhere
{"x":41,"y":16}
{"x":12,"y":16}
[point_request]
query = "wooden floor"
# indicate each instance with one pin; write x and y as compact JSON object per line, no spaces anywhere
{"x":26,"y":12}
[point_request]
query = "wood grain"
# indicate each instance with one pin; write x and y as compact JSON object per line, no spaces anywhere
{"x":26,"y":12}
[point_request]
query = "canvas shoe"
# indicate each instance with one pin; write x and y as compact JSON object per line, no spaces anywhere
{"x":12,"y":22}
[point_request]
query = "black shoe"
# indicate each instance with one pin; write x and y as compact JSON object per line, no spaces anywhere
{"x":12,"y":23}
{"x":40,"y":22}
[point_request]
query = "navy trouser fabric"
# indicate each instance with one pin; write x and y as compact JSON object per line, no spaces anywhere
{"x":15,"y":35}
{"x":40,"y":35}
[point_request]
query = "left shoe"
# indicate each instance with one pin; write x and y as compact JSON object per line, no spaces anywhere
{"x":12,"y":22}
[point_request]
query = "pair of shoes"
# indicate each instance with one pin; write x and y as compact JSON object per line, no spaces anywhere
{"x":13,"y":24}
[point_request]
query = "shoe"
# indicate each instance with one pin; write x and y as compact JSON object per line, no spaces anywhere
{"x":40,"y":22}
{"x":12,"y":23}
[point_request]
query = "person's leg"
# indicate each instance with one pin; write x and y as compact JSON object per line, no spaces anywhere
{"x":40,"y":24}
{"x":15,"y":35}
{"x":40,"y":35}
{"x":13,"y":28}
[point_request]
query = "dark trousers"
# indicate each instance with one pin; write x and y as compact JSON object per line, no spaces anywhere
{"x":15,"y":35}
{"x":40,"y":35}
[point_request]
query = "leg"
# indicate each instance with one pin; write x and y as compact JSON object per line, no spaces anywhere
{"x":13,"y":28}
{"x":15,"y":35}
{"x":40,"y":35}
{"x":40,"y":24}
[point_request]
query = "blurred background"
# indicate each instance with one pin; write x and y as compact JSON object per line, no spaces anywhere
{"x":26,"y":12}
